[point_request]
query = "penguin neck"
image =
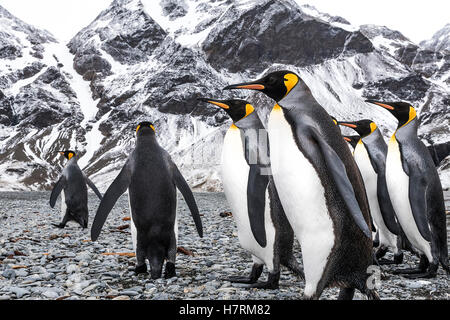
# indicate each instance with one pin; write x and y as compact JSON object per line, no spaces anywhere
{"x":145,"y":140}
{"x":373,"y":137}
{"x":254,"y":140}
{"x":375,"y":143}
{"x":407,"y":131}
{"x":72,"y":160}
{"x":252,"y":121}
{"x":299,"y":97}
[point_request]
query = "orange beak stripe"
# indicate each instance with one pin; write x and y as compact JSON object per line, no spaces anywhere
{"x":220,"y":104}
{"x":386,"y":106}
{"x":348,"y":125}
{"x":347,"y":139}
{"x":251,"y":86}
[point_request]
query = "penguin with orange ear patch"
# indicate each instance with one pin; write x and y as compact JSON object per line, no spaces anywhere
{"x":416,"y":192}
{"x":152,"y":179}
{"x":74,"y":197}
{"x":370,"y":155}
{"x":263,"y":228}
{"x":319,"y":185}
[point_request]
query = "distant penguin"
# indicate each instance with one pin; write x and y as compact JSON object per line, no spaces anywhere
{"x":320,"y":187}
{"x":370,"y":155}
{"x":151,"y":178}
{"x":416,"y":192}
{"x":263,"y":228}
{"x":74,"y":198}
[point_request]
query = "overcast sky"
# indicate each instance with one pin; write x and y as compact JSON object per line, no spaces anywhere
{"x":416,"y":19}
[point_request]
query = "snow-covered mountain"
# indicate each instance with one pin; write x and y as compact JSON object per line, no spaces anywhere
{"x":440,"y":41}
{"x":152,"y":60}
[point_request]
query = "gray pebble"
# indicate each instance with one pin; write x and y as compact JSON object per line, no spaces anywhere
{"x":19,"y":292}
{"x":9,"y":274}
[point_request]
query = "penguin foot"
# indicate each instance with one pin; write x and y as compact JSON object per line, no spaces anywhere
{"x":430,"y":273}
{"x":169,"y":272}
{"x":141,"y":269}
{"x":407,"y":271}
{"x":262,"y":285}
{"x":425,"y":275}
{"x":59,"y":225}
{"x":238,"y":279}
{"x":346,"y":294}
{"x":254,"y":275}
{"x":271,"y":283}
{"x":398,"y":258}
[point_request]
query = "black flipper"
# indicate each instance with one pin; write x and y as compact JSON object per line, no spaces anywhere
{"x":188,"y":197}
{"x":337,"y":169}
{"x":93,"y":187}
{"x":256,"y":202}
{"x":417,"y":200}
{"x":387,"y":211}
{"x":115,"y":190}
{"x":59,"y":186}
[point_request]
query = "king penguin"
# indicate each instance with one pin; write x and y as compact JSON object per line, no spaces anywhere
{"x":263,"y":229}
{"x":370,"y":155}
{"x":74,"y":197}
{"x":416,"y":192}
{"x":151,"y":178}
{"x":319,"y":186}
{"x":352,"y":140}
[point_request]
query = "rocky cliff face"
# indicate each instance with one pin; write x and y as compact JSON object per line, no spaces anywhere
{"x":440,"y":41}
{"x":152,"y":60}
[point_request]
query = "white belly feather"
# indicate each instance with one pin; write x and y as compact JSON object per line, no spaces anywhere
{"x":303,"y":198}
{"x":398,"y":187}
{"x":235,"y":172}
{"x":369,"y":176}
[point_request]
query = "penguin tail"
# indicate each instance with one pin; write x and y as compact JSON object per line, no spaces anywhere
{"x":294,"y":266}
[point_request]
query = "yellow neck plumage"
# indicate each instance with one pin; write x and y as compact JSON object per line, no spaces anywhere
{"x":412,"y":116}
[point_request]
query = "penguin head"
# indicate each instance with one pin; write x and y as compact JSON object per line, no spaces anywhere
{"x":236,"y":109}
{"x":145,"y":128}
{"x":68,"y":154}
{"x":276,"y":85}
{"x":403,"y":111}
{"x":334,"y":120}
{"x":363,"y":127}
{"x":353,"y":140}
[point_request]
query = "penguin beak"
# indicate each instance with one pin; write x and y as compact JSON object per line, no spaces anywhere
{"x":219,"y":103}
{"x":61,"y":152}
{"x":347,"y":139}
{"x":347,"y":124}
{"x":255,"y":85}
{"x":384,"y":105}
